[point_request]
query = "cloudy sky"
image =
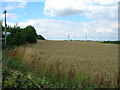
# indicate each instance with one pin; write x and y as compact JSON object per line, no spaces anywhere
{"x":55,"y":19}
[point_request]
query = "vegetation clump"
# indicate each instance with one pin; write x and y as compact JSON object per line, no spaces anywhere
{"x":112,"y":42}
{"x":18,"y":36}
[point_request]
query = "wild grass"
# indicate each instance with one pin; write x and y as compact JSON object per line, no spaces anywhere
{"x":70,"y":64}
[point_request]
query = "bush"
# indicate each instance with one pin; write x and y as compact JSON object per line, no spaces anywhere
{"x":112,"y":42}
{"x":19,"y":36}
{"x":40,"y":37}
{"x":13,"y":63}
{"x":16,"y":79}
{"x":31,"y":35}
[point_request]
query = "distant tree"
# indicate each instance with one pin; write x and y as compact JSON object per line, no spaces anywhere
{"x":40,"y":37}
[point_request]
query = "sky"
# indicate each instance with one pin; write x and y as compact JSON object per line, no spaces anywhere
{"x":55,"y":19}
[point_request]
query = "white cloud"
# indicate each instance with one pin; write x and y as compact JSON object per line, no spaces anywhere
{"x":89,"y":8}
{"x":104,"y":27}
{"x":21,"y":5}
{"x":104,"y":30}
{"x":11,"y":16}
{"x":9,"y":7}
{"x":23,"y":0}
{"x":58,"y":29}
{"x":14,"y":5}
{"x":106,"y":2}
{"x":11,"y":0}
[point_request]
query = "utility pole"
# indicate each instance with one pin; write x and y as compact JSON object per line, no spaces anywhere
{"x":5,"y":25}
{"x":86,"y":37}
{"x":68,"y":37}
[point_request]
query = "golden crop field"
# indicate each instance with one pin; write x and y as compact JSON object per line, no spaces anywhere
{"x":68,"y":60}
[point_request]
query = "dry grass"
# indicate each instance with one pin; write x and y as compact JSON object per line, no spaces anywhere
{"x":66,"y":60}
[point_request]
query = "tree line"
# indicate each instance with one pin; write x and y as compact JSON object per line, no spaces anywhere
{"x":18,"y":36}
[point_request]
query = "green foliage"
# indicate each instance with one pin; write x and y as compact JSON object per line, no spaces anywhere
{"x":31,"y":35}
{"x":112,"y":42}
{"x":11,"y":75}
{"x":40,"y":37}
{"x":16,"y":79}
{"x":2,"y":28}
{"x":15,"y":75}
{"x":19,"y":36}
{"x":13,"y":63}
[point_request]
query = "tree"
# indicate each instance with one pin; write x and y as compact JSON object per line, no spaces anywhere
{"x":40,"y":37}
{"x":31,"y":35}
{"x":17,"y":36}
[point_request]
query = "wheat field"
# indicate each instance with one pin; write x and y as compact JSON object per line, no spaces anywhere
{"x":67,"y":60}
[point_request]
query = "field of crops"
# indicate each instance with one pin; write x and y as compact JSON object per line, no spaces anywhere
{"x":64,"y":61}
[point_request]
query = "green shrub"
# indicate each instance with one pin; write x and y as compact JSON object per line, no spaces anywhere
{"x":13,"y":63}
{"x":19,"y":36}
{"x":16,"y":79}
{"x":112,"y":42}
{"x":31,"y":36}
{"x":40,"y":37}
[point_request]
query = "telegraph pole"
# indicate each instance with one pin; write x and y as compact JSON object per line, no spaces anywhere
{"x":86,"y":37}
{"x":68,"y":37}
{"x":5,"y":25}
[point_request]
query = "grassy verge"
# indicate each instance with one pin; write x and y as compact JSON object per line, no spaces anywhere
{"x":17,"y":75}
